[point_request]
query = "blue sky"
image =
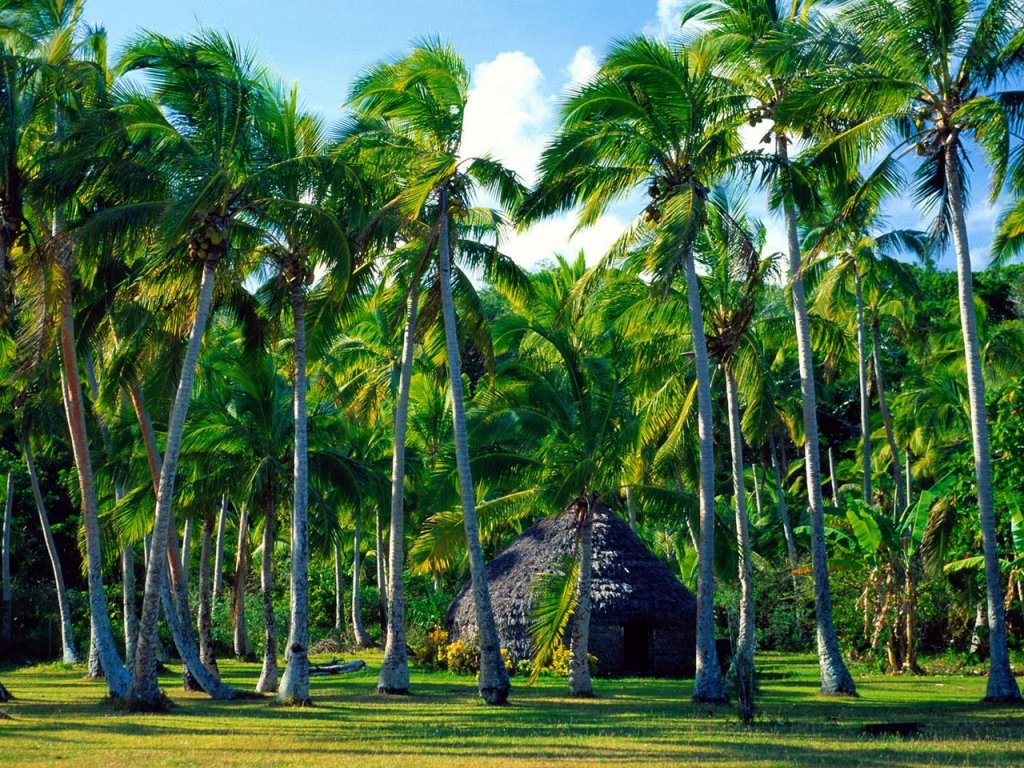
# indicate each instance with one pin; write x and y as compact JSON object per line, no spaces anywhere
{"x":523,"y":55}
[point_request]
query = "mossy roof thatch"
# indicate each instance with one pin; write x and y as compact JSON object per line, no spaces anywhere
{"x":630,"y":584}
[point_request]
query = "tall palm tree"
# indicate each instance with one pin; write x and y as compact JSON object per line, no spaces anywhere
{"x":931,"y":76}
{"x":209,"y":142}
{"x":420,"y":103}
{"x":759,"y":47}
{"x":655,"y":116}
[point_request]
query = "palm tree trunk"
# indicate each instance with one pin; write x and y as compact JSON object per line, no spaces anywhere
{"x":757,"y":491}
{"x":1001,"y":684}
{"x":7,"y":622}
{"x":743,"y":658}
{"x":145,"y":688}
{"x":295,"y":680}
{"x":394,"y":669}
{"x":883,"y":404}
{"x":493,"y":683}
{"x":186,"y":549}
{"x":66,"y":634}
{"x":383,"y":567}
{"x":862,"y":385}
{"x":787,"y":525}
{"x":339,"y":592}
{"x":94,"y":668}
{"x":117,"y":677}
{"x":708,"y":684}
{"x":358,"y":630}
{"x":579,"y":643}
{"x":131,"y":615}
{"x":833,"y":481}
{"x":835,"y":677}
{"x":218,"y":560}
{"x":204,"y":620}
{"x":268,"y":676}
{"x":242,"y":648}
{"x":631,"y":507}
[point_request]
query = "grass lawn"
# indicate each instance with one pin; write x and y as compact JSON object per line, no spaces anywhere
{"x":60,"y":718}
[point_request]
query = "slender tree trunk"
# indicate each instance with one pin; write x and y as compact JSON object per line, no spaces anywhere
{"x":1002,"y":686}
{"x":383,"y":567}
{"x":204,"y":620}
{"x":358,"y":630}
{"x":218,"y":561}
{"x":787,"y":525}
{"x":493,"y":682}
{"x":833,"y":482}
{"x":979,"y":622}
{"x":743,"y":658}
{"x":835,"y":677}
{"x":242,"y":647}
{"x":631,"y":507}
{"x":186,"y":550}
{"x":862,"y":385}
{"x":757,"y":491}
{"x":339,"y":592}
{"x":7,"y":622}
{"x":145,"y":689}
{"x":708,"y":684}
{"x":70,"y":655}
{"x":394,"y":669}
{"x":131,"y":615}
{"x":117,"y":677}
{"x":268,"y":676}
{"x":883,"y":404}
{"x":579,"y":643}
{"x":295,"y":680}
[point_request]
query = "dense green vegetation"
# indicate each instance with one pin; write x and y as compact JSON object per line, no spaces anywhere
{"x":274,"y":388}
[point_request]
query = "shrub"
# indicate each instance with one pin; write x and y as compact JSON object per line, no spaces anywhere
{"x":462,"y":658}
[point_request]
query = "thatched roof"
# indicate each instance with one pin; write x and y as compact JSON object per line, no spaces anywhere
{"x":630,"y":584}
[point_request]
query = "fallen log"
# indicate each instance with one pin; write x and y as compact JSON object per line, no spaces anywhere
{"x":337,"y":669}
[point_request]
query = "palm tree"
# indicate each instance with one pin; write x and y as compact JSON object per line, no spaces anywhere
{"x":928,"y":76}
{"x":209,"y":143}
{"x":655,"y":116}
{"x":759,"y":45}
{"x":419,"y":102}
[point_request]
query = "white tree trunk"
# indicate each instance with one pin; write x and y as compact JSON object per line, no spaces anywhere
{"x":883,"y":405}
{"x":240,"y":632}
{"x":131,"y":614}
{"x":339,"y":591}
{"x":579,"y":643}
{"x":757,"y":491}
{"x":862,"y":387}
{"x":294,"y":687}
{"x":358,"y":630}
{"x":218,"y":561}
{"x":833,"y":482}
{"x":268,"y":675}
{"x":708,"y":684}
{"x":835,"y":677}
{"x":204,"y":618}
{"x":631,"y":507}
{"x":70,"y":654}
{"x":1002,"y":686}
{"x":493,"y":683}
{"x":394,"y":669}
{"x":7,"y":621}
{"x":743,"y":658}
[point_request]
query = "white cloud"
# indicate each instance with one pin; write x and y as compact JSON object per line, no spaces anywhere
{"x":583,"y":67}
{"x":508,"y":115}
{"x":669,"y":15}
{"x":554,"y":236}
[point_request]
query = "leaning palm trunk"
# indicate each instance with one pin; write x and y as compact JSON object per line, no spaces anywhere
{"x":117,"y":677}
{"x":204,"y":619}
{"x":708,"y":685}
{"x":218,"y":560}
{"x":743,"y":658}
{"x":862,"y":388}
{"x":1001,"y":684}
{"x":186,"y":550}
{"x":883,"y":405}
{"x":835,"y":677}
{"x":833,"y":481}
{"x":493,"y":683}
{"x":358,"y":630}
{"x":295,"y":680}
{"x":394,"y":670}
{"x":7,"y":622}
{"x":66,"y":635}
{"x":240,"y":632}
{"x":145,"y":689}
{"x":131,"y":615}
{"x":579,"y":644}
{"x":268,"y":676}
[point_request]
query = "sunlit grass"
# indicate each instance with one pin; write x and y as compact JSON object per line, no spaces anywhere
{"x":60,"y":718}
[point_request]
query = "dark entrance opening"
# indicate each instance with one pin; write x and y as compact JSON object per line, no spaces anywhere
{"x":637,"y":644}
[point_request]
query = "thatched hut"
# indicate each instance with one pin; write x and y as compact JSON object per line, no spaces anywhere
{"x":643,"y":619}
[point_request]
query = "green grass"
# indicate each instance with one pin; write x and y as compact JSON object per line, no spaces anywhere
{"x":60,"y":718}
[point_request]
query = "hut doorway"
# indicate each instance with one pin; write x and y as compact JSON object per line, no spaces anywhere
{"x":637,"y":645}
